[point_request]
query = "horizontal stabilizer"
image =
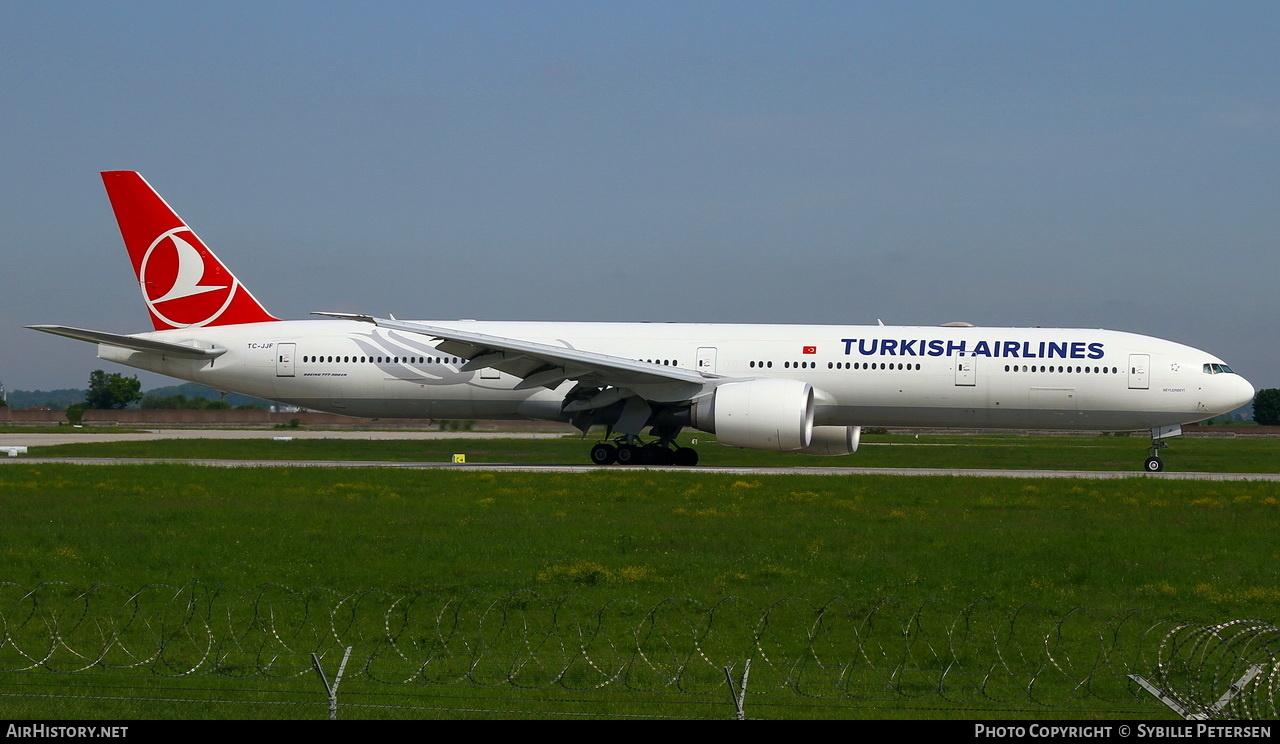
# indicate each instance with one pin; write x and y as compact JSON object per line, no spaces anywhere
{"x":131,"y":342}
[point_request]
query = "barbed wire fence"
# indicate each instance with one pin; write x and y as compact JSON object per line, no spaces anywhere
{"x":202,"y":650}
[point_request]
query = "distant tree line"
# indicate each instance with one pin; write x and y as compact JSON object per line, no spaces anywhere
{"x":153,"y":401}
{"x":1266,"y":407}
{"x":188,"y":395}
{"x":55,"y":399}
{"x":114,"y":391}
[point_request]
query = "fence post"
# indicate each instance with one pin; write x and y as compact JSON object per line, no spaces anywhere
{"x":739,"y":697}
{"x":1199,"y":712}
{"x":332,"y":690}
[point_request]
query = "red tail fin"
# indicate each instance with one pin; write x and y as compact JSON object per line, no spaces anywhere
{"x":183,"y":283}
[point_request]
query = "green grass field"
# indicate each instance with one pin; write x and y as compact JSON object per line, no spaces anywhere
{"x":1203,"y":552}
{"x":1191,"y":549}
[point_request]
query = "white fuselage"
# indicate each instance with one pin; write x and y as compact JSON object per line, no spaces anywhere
{"x":861,"y":375}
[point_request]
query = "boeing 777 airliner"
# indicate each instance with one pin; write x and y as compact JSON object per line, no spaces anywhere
{"x":793,"y":388}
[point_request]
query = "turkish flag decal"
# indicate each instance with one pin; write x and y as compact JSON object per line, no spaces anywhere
{"x":811,"y":350}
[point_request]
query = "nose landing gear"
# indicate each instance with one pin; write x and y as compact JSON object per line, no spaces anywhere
{"x":1154,"y":464}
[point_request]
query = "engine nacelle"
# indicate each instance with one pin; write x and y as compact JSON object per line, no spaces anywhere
{"x":834,"y":440}
{"x":767,"y":413}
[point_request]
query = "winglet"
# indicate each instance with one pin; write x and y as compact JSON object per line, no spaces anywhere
{"x":182,"y":282}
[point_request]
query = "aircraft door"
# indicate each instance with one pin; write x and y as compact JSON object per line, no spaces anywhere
{"x":707,"y":359}
{"x":284,"y":359}
{"x":1138,"y":366}
{"x":966,"y":370}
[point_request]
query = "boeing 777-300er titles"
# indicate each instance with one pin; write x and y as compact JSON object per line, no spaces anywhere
{"x":793,"y":388}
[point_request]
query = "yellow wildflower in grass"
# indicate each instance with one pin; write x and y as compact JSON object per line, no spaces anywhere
{"x":853,"y":505}
{"x":1250,"y":594}
{"x":582,"y":572}
{"x":804,"y":497}
{"x":1153,"y":590}
{"x":1260,"y":593}
{"x":591,"y":573}
{"x":712,"y":512}
{"x":635,"y":573}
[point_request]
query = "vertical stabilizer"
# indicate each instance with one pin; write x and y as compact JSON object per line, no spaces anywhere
{"x":182,"y":282}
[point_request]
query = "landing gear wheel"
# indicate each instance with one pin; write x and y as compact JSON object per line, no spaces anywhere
{"x":655,"y":454}
{"x":628,"y":454}
{"x":1158,"y":434}
{"x":685,"y":457}
{"x":604,"y":454}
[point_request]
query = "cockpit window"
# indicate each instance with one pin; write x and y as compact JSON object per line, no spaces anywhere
{"x":1216,"y":369}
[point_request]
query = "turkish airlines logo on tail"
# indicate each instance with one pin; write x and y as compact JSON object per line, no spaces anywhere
{"x":182,"y":283}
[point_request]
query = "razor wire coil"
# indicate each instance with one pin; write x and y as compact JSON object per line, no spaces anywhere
{"x":847,"y":650}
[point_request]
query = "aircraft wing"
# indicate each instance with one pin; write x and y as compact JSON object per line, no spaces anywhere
{"x":547,"y":366}
{"x":131,"y":342}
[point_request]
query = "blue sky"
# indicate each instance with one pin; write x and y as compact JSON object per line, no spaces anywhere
{"x":1068,"y":164}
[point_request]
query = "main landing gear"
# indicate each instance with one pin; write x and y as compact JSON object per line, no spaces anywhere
{"x":628,"y":450}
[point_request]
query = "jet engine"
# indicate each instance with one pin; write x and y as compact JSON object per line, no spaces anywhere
{"x":834,"y":440}
{"x":766,"y":413}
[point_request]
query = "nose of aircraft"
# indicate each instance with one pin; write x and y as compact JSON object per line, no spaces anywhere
{"x":1224,"y":393}
{"x":1244,"y":391}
